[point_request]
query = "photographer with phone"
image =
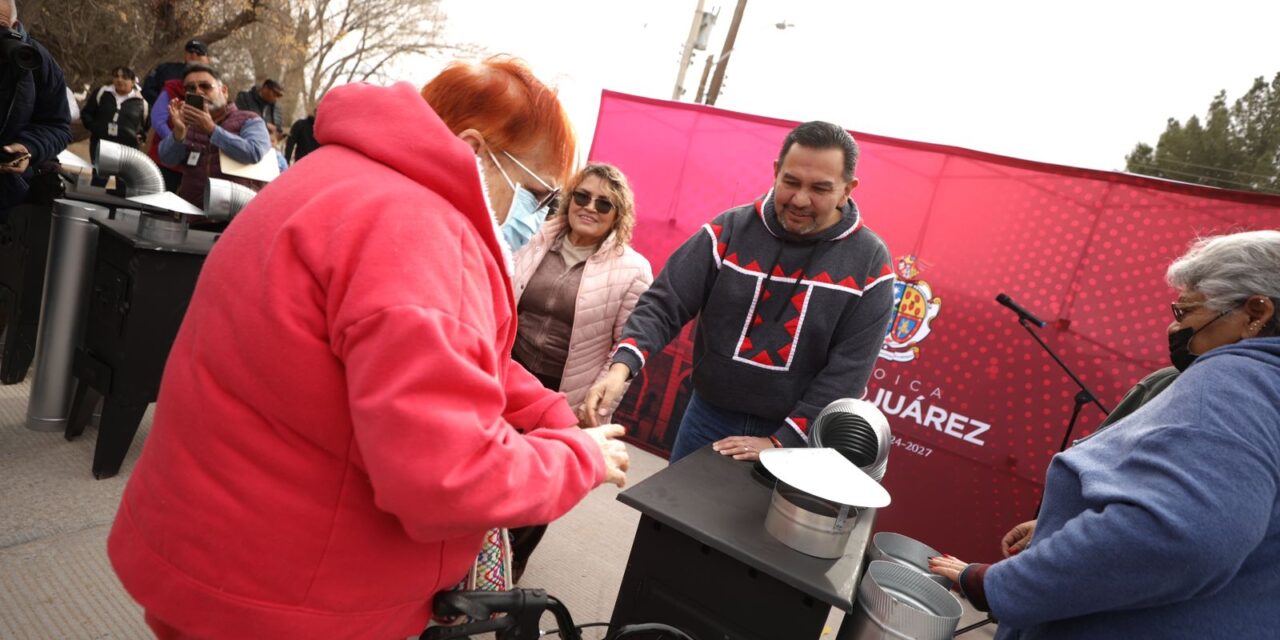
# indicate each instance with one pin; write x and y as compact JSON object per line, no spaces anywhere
{"x":204,"y":126}
{"x":33,"y":94}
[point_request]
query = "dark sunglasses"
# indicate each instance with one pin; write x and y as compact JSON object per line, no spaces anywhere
{"x":203,"y":86}
{"x":582,"y":199}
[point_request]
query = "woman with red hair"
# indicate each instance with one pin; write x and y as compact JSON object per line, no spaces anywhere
{"x":518,"y":130}
{"x":340,"y":420}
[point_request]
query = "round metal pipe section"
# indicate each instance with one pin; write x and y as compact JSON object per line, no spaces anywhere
{"x":859,"y":431}
{"x":73,"y":243}
{"x":911,"y":553}
{"x":809,"y":524}
{"x":223,"y":199}
{"x":141,"y":176}
{"x":895,"y":602}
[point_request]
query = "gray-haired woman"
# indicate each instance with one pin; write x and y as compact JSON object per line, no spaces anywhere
{"x":1168,"y":523}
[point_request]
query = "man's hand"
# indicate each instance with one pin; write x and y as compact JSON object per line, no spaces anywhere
{"x":18,"y":164}
{"x":742,"y":447}
{"x":605,"y":395}
{"x":616,"y":459}
{"x":198,"y":119}
{"x":1017,"y":538}
{"x":176,"y":124}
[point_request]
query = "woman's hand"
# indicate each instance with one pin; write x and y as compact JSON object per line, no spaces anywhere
{"x":948,"y":567}
{"x":1018,"y":538}
{"x":616,"y":459}
{"x":742,"y":447}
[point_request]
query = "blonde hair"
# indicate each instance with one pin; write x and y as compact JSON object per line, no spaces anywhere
{"x":619,"y":193}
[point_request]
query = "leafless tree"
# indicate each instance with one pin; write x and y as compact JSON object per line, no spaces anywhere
{"x":310,"y":46}
{"x":89,"y":37}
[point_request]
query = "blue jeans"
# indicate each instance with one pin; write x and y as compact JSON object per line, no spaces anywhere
{"x":704,"y":423}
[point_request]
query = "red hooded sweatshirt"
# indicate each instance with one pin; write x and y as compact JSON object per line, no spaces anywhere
{"x":337,"y":425}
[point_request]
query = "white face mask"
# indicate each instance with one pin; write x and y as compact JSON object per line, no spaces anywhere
{"x":525,"y":216}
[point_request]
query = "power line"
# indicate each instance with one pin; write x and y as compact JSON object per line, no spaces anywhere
{"x":1213,"y":168}
{"x":1204,"y":178}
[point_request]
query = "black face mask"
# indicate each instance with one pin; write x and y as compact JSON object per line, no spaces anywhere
{"x":1180,"y":344}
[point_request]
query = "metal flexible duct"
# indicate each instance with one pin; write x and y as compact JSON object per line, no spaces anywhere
{"x":223,"y":199}
{"x":141,"y":176}
{"x":859,"y":431}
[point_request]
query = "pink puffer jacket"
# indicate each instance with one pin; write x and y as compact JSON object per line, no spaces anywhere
{"x":612,"y":281}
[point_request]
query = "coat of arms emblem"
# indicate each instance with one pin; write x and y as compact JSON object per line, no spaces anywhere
{"x":914,"y":307}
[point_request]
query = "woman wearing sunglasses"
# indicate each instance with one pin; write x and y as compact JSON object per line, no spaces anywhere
{"x":576,"y":283}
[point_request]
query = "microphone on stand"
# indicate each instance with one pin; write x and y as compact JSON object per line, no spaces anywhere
{"x":1022,"y":313}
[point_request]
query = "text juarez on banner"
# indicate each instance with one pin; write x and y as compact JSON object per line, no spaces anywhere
{"x":976,"y":407}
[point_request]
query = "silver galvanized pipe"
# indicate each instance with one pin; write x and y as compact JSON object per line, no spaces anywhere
{"x":897,"y":603}
{"x":223,"y":199}
{"x":73,"y":243}
{"x":140,"y":174}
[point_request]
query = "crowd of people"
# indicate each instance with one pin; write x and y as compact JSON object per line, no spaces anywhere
{"x":436,"y":363}
{"x":181,"y":115}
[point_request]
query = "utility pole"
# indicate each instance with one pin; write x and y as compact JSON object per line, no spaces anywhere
{"x":687,"y":56}
{"x":718,"y":79}
{"x":702,"y":84}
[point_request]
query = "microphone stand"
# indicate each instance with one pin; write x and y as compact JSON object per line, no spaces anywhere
{"x":1083,"y":397}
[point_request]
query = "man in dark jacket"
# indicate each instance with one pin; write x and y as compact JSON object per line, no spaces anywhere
{"x":37,"y":124}
{"x":194,"y":52}
{"x":302,"y":139}
{"x":794,"y":294}
{"x":262,"y":99}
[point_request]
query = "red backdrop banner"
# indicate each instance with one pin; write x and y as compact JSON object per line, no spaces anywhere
{"x":976,"y":406}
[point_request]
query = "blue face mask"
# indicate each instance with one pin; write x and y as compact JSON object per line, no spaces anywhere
{"x":525,"y":217}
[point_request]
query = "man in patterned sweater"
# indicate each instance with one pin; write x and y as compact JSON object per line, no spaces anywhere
{"x":794,"y":293}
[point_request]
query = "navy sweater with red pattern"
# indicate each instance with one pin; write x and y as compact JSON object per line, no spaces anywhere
{"x":788,"y":323}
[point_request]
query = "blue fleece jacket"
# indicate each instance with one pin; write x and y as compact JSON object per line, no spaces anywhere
{"x":1166,"y":525}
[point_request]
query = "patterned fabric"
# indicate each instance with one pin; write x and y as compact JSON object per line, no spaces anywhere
{"x":491,"y":571}
{"x":787,"y":323}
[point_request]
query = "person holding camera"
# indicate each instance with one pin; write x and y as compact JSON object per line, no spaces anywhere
{"x":205,"y":126}
{"x":33,"y":93}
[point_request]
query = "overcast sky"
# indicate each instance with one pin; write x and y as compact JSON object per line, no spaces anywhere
{"x":1074,"y":83}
